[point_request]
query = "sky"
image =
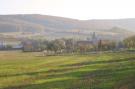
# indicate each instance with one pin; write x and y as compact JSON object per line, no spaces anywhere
{"x":77,"y":9}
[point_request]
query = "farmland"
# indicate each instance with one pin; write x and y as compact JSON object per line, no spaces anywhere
{"x":20,"y":70}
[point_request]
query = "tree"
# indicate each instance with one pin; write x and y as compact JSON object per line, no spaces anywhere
{"x":56,"y":45}
{"x":70,"y":45}
{"x":130,"y":42}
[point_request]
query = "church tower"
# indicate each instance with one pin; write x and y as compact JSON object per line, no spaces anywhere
{"x":94,"y":38}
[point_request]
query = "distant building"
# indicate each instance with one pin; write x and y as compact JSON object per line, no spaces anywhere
{"x":94,"y":38}
{"x":84,"y":43}
{"x":31,"y":46}
{"x":106,"y":45}
{"x":1,"y":45}
{"x":90,"y":43}
{"x":10,"y":44}
{"x":91,"y":40}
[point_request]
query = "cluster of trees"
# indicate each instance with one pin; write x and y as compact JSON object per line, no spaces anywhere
{"x":58,"y":45}
{"x":70,"y":45}
{"x":130,"y":42}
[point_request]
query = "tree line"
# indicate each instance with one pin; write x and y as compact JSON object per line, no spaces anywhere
{"x":71,"y":45}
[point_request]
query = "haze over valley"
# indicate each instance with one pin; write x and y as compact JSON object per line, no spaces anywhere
{"x":50,"y":27}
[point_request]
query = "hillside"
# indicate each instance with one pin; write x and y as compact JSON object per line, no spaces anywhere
{"x":55,"y":27}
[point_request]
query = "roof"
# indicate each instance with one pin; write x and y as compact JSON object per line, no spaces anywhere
{"x":85,"y":42}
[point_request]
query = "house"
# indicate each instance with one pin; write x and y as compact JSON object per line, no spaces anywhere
{"x":10,"y":44}
{"x":106,"y":45}
{"x":91,"y":40}
{"x":84,"y":43}
{"x":31,"y":46}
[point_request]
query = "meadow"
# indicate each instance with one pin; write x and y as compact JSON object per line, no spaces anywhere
{"x":20,"y":70}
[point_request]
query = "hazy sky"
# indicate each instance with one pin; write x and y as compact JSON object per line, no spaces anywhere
{"x":78,"y":9}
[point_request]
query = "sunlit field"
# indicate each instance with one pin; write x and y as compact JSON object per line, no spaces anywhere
{"x":94,"y":71}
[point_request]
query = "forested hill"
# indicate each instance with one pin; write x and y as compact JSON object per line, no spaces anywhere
{"x":52,"y":26}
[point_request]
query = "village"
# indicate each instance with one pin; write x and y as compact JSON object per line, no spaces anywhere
{"x":91,"y":44}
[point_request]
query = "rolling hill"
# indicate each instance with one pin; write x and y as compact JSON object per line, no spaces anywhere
{"x":56,"y":27}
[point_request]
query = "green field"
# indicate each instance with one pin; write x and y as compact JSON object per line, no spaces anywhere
{"x":95,"y":71}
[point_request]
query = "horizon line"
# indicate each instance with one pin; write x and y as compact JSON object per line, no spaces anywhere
{"x":68,"y":17}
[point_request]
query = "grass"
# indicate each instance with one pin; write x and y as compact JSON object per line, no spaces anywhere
{"x":95,"y":71}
